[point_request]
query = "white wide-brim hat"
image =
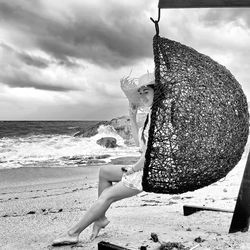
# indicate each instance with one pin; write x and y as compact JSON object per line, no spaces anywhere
{"x":130,"y":87}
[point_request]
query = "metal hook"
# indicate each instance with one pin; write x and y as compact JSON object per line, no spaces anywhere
{"x":157,"y":21}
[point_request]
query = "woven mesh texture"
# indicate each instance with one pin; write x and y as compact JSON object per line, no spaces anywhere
{"x":199,"y":121}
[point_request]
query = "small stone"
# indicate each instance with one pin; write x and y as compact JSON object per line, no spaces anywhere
{"x":199,"y":240}
{"x":108,"y":142}
{"x":31,"y":212}
{"x":154,"y":237}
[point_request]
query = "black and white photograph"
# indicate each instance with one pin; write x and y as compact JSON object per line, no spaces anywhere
{"x":124,"y":124}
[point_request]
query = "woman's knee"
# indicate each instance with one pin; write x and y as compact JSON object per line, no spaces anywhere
{"x":106,"y":197}
{"x":110,"y":173}
{"x":103,"y":172}
{"x":117,"y":192}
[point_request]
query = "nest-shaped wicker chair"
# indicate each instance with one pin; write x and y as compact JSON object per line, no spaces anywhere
{"x":199,"y":121}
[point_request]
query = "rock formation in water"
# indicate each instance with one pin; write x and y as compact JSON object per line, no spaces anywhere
{"x":107,"y":142}
{"x":121,"y":125}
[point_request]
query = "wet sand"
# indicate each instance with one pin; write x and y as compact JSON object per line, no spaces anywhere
{"x":37,"y":204}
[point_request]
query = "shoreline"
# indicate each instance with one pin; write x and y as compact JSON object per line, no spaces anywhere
{"x":23,"y":175}
{"x":42,"y":175}
{"x":37,"y":204}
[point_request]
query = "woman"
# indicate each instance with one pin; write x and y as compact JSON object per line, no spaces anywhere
{"x":128,"y":179}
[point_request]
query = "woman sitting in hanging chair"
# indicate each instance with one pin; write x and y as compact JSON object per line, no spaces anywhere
{"x":128,"y":179}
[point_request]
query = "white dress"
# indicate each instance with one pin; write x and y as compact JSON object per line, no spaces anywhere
{"x":134,"y":180}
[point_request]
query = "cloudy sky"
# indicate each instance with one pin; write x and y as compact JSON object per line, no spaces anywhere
{"x":63,"y":60}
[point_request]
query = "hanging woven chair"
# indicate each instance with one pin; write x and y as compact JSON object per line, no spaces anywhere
{"x":199,"y":121}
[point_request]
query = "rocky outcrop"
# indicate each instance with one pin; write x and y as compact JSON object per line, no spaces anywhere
{"x":121,"y":125}
{"x":91,"y":130}
{"x":108,"y":142}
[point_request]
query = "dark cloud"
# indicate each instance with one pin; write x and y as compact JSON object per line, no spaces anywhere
{"x":116,"y":35}
{"x":42,"y":63}
{"x":69,"y":63}
{"x":39,"y":62}
{"x":23,"y":80}
{"x":221,"y":16}
{"x":33,"y":61}
{"x":6,"y":47}
{"x":15,"y":73}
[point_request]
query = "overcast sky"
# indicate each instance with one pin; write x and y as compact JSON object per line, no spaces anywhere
{"x":63,"y":60}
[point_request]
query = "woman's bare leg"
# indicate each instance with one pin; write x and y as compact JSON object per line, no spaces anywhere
{"x":107,"y":175}
{"x":108,"y":196}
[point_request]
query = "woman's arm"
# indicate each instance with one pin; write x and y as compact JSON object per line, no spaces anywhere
{"x":134,"y":127}
{"x":140,"y":163}
{"x":137,"y":166}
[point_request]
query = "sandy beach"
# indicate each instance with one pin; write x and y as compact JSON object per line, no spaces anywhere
{"x":37,"y":204}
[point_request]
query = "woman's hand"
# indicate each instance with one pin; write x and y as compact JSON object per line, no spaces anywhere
{"x":133,"y":108}
{"x":133,"y":120}
{"x":128,"y":170}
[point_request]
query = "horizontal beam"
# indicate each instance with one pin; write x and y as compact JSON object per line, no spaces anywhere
{"x":169,"y":4}
{"x":190,"y":209}
{"x":103,"y":245}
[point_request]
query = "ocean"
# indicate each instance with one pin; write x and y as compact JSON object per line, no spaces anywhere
{"x":52,"y":144}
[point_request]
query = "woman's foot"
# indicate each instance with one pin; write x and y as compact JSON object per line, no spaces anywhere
{"x":98,"y":225}
{"x":66,"y":239}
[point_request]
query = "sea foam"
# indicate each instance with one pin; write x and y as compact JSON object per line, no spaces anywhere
{"x":60,"y":150}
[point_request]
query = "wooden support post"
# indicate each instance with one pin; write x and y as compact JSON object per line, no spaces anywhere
{"x":241,"y":216}
{"x":188,"y":209}
{"x":102,"y":245}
